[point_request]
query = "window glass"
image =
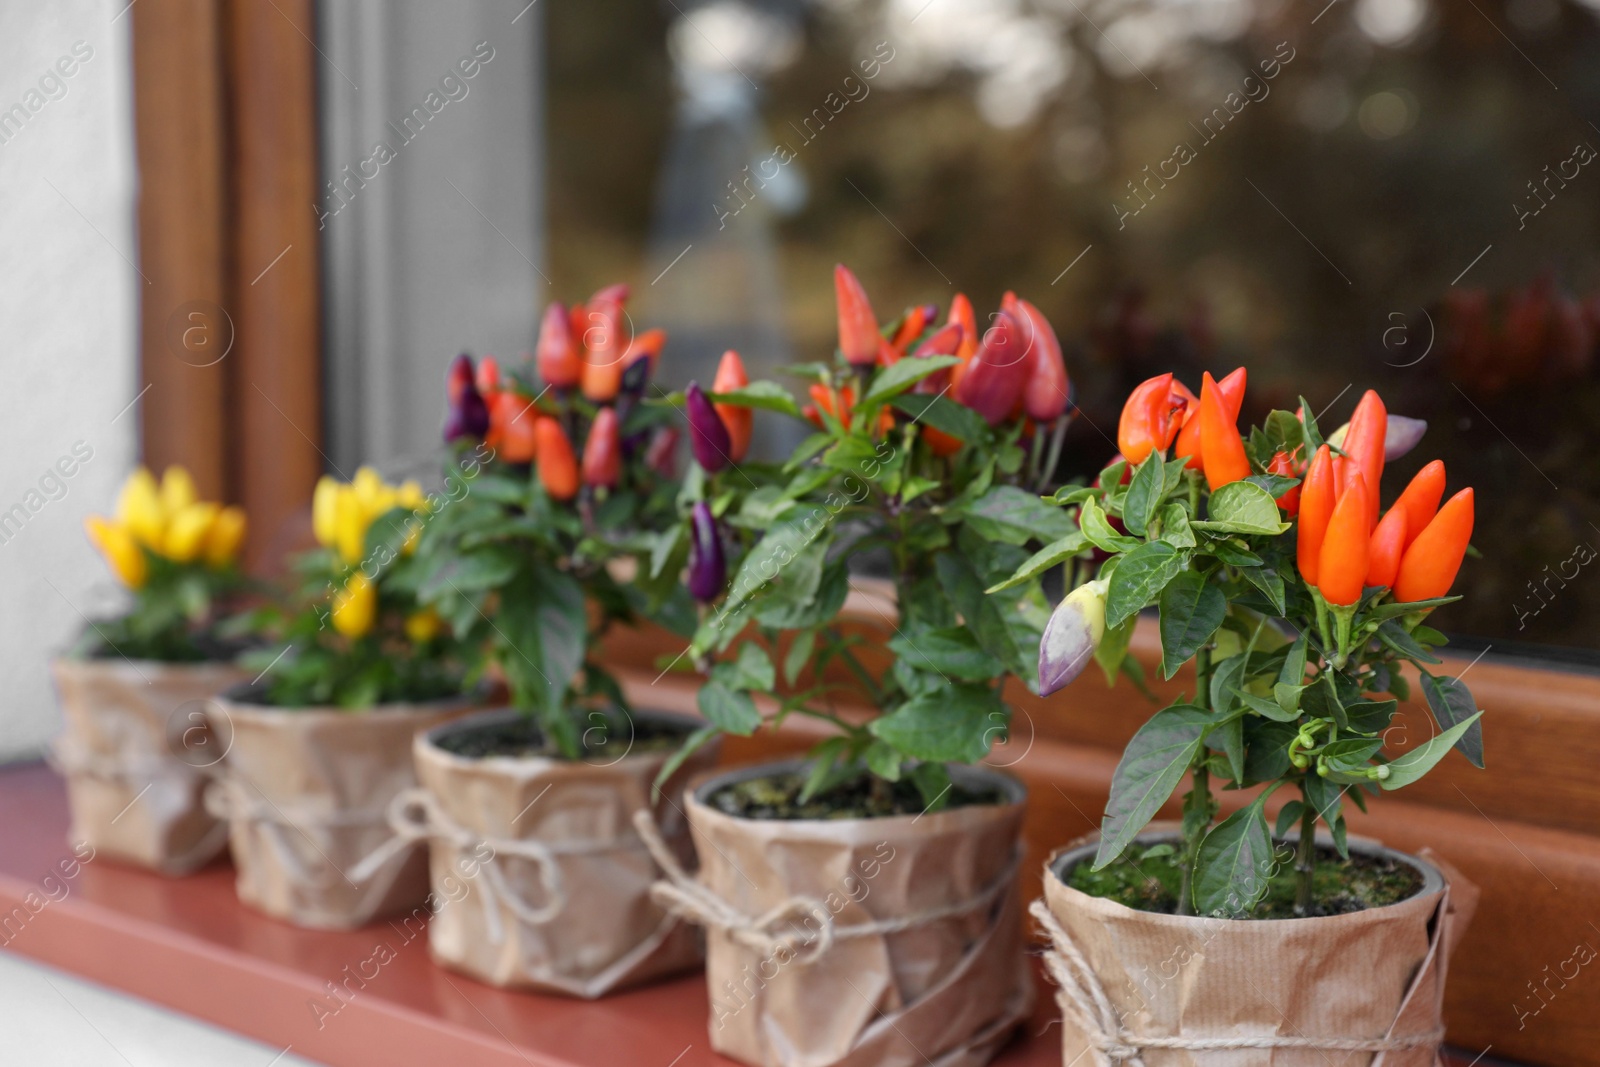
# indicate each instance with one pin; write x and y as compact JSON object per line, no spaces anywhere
{"x":1390,"y":194}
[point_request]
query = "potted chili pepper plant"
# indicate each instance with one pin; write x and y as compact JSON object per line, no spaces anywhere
{"x":860,"y":903}
{"x":531,"y":569}
{"x":319,"y":743}
{"x":136,"y":748}
{"x":1301,"y":603}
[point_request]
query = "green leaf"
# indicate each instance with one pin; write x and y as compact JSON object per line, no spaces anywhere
{"x":952,"y":725}
{"x":982,"y":613}
{"x":1144,"y":494}
{"x":1351,"y":753}
{"x":1370,"y":716}
{"x":751,"y":669}
{"x":1015,"y":516}
{"x":1175,"y":529}
{"x":1320,"y":700}
{"x":1288,"y":816}
{"x":1275,"y":484}
{"x":1191,"y":611}
{"x":1293,"y":671}
{"x":1112,"y":651}
{"x":952,"y":651}
{"x":1266,"y":756}
{"x":1056,"y":552}
{"x":1391,"y":634}
{"x":1140,"y":577}
{"x":1287,"y":697}
{"x":944,"y":415}
{"x":761,"y":394}
{"x":1452,"y":703}
{"x":1234,"y":864}
{"x":690,"y":745}
{"x":883,"y":761}
{"x":1245,"y":508}
{"x":1266,"y":579}
{"x":799,"y":654}
{"x":1098,"y":529}
{"x":1406,"y":769}
{"x":1229,"y":735}
{"x":1151,"y":767}
{"x":471,"y":572}
{"x":1232,"y":554}
{"x":1308,"y":423}
{"x":1396,"y":609}
{"x":895,"y":379}
{"x":733,"y":712}
{"x":1267,"y":709}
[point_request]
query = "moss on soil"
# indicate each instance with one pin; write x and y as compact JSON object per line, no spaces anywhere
{"x":777,"y":796}
{"x":1148,"y":877}
{"x":521,"y":738}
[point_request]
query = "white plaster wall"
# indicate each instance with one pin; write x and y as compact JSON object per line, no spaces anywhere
{"x":68,"y":325}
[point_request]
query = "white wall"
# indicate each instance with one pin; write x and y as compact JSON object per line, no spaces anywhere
{"x":68,"y":327}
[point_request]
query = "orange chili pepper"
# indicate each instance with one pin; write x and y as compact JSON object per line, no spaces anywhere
{"x":1431,"y":561}
{"x":488,"y":376}
{"x":911,"y":327}
{"x":511,"y":427}
{"x":604,"y":350}
{"x":558,"y":467}
{"x":1283,"y":464}
{"x":602,"y":452}
{"x":739,"y":420}
{"x":858,"y":327}
{"x":1316,"y":507}
{"x":1346,"y":546}
{"x":1421,"y":499}
{"x":1363,"y":443}
{"x":1146,"y":424}
{"x":1232,"y":390}
{"x":1388,"y":543}
{"x":1221,"y":449}
{"x":647,"y":345}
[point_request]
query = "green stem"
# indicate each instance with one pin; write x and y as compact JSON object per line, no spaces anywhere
{"x":1305,"y":856}
{"x":1198,"y":799}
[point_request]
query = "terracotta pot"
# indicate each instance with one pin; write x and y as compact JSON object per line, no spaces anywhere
{"x":891,"y":942}
{"x":306,"y":793}
{"x":539,"y":880}
{"x":1352,"y":990}
{"x":135,"y":755}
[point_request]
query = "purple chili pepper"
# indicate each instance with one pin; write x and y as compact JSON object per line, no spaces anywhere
{"x":708,"y":570}
{"x":708,"y":434}
{"x":468,"y":415}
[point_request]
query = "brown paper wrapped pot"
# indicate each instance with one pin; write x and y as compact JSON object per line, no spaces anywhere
{"x":539,"y":879}
{"x":884,"y":942}
{"x":306,"y":793}
{"x":1367,"y":978}
{"x":135,"y":754}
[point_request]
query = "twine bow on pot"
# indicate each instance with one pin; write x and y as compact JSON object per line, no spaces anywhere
{"x":1084,"y":1001}
{"x":774,"y":930}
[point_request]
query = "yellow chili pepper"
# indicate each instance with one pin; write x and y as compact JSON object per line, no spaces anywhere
{"x":121,"y":550}
{"x":355,"y":607}
{"x":227,"y":534}
{"x":188,"y":529}
{"x":139,"y":509}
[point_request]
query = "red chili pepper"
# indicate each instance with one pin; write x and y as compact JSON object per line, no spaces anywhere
{"x":888,"y":354}
{"x":558,"y":467}
{"x":858,"y":327}
{"x":1316,"y":507}
{"x":1188,"y":445}
{"x":1221,"y":449}
{"x":828,"y":400}
{"x":556,"y":356}
{"x":1146,"y":424}
{"x":1346,"y":547}
{"x":611,"y":294}
{"x":1388,"y":544}
{"x":1421,"y":498}
{"x":997,"y":375}
{"x":961,"y":315}
{"x":647,"y":345}
{"x":739,"y":420}
{"x":1047,"y":393}
{"x":1431,"y":561}
{"x":488,"y":376}
{"x":602,"y":453}
{"x":1283,"y":464}
{"x":1364,"y":444}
